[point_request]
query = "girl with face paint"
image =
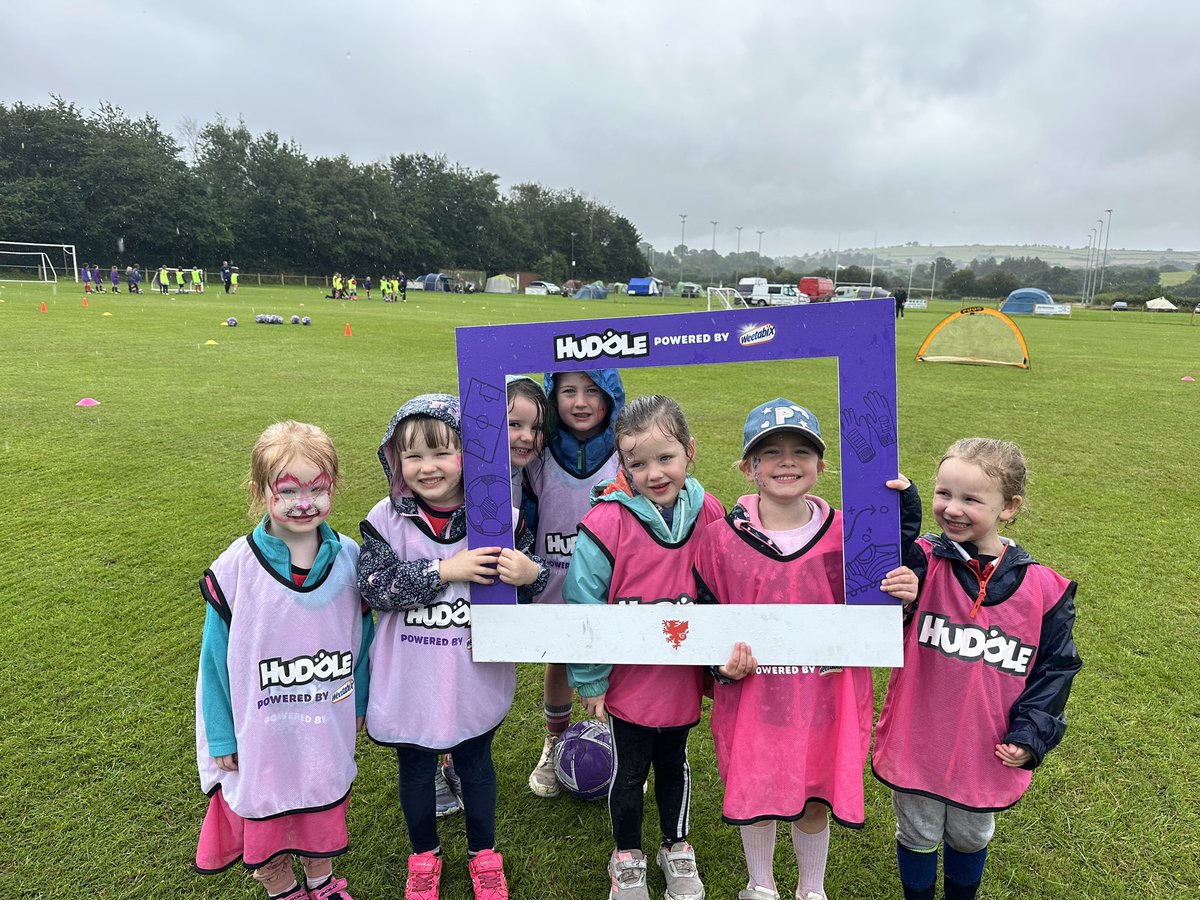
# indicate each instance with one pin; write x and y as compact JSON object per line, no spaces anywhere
{"x":282,"y":685}
{"x":791,"y":741}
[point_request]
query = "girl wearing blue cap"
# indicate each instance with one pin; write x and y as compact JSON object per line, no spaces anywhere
{"x":790,"y":744}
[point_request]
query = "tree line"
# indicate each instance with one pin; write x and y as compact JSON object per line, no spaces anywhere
{"x":124,"y":190}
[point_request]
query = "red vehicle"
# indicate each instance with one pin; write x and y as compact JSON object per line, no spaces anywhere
{"x":818,"y":289}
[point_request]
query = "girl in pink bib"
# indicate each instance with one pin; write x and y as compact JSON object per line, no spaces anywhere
{"x":638,"y":544}
{"x":988,"y":662}
{"x":791,"y":741}
{"x":282,"y":685}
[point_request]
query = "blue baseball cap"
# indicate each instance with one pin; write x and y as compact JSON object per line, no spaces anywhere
{"x":780,"y":415}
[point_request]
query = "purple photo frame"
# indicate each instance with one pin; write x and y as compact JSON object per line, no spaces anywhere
{"x":860,"y":335}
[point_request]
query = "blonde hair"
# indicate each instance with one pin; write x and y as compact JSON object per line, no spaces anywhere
{"x":281,"y":443}
{"x":1001,"y":460}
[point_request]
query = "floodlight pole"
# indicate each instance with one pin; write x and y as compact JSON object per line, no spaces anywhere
{"x":874,"y":244}
{"x":933,"y":280}
{"x":758,"y":268}
{"x":682,"y":223}
{"x":712,"y":269}
{"x":737,"y":257}
{"x":837,"y":255}
{"x":1100,"y":222}
{"x":1087,"y":267}
{"x":572,"y":255}
{"x":1104,"y":265}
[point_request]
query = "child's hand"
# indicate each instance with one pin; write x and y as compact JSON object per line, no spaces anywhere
{"x":595,"y":707}
{"x":226,"y":763}
{"x":478,"y":566}
{"x":899,"y":483}
{"x":1013,"y":755}
{"x":741,"y":662}
{"x":901,"y":583}
{"x":517,"y":568}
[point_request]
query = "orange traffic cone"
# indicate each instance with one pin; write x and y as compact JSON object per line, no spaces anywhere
{"x":348,"y":332}
{"x":43,"y":309}
{"x":85,"y":301}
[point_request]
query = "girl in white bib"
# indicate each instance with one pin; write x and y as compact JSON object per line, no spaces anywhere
{"x":282,"y":685}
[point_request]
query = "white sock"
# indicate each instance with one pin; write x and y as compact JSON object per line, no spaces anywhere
{"x":758,"y":843}
{"x":812,"y":850}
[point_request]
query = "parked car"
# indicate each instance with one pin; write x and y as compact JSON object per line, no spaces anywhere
{"x":775,"y":295}
{"x":1119,"y":305}
{"x":542,"y":287}
{"x":860,"y":292}
{"x":690,"y":289}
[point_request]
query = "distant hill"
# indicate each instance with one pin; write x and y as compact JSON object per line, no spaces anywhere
{"x":898,"y":257}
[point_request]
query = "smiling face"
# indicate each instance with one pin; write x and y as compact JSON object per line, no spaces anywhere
{"x":433,"y":473}
{"x":582,"y":405}
{"x":301,"y":496}
{"x":524,"y":431}
{"x":969,"y":505}
{"x":656,"y":463}
{"x":784,"y":467}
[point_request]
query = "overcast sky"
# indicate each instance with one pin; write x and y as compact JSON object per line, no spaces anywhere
{"x":1010,"y":121}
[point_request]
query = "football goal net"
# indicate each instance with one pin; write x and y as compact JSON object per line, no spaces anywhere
{"x":39,"y":263}
{"x":725,"y":298}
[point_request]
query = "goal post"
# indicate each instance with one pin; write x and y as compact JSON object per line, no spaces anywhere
{"x":36,"y":262}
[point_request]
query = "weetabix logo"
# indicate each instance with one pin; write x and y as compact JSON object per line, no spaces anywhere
{"x":756,"y":334}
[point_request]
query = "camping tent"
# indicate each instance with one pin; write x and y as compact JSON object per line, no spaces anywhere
{"x":1161,"y":304}
{"x":618,"y":287}
{"x":501,"y":284}
{"x":976,"y":335}
{"x":1022,"y":301}
{"x":436,"y":282}
{"x":594,"y":291}
{"x":644,"y":287}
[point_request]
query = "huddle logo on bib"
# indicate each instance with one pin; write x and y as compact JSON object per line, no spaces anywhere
{"x":325,"y":666}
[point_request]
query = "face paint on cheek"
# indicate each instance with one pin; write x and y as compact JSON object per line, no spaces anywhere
{"x":755,"y":465}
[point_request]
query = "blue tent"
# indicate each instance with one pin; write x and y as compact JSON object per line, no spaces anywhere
{"x":644,"y":287}
{"x":594,"y":291}
{"x":1022,"y":301}
{"x":435,"y":282}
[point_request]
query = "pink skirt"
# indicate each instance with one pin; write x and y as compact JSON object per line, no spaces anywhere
{"x":225,"y":837}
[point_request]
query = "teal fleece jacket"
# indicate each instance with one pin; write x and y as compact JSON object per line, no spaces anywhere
{"x":590,"y":574}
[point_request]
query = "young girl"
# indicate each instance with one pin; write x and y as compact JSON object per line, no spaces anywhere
{"x":283,"y":676}
{"x":528,"y":413}
{"x":790,"y":745}
{"x":428,"y":695}
{"x":580,"y":453}
{"x":988,"y":662}
{"x":638,"y":545}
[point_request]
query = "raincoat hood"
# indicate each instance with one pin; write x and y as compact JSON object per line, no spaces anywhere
{"x":443,"y":407}
{"x":583,"y":457}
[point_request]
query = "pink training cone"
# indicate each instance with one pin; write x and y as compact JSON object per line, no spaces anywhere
{"x":88,"y":401}
{"x":1188,"y":378}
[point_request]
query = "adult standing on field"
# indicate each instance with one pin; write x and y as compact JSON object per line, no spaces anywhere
{"x":226,"y":274}
{"x":901,"y":299}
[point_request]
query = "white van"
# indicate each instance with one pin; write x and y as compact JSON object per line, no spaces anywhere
{"x":775,"y":295}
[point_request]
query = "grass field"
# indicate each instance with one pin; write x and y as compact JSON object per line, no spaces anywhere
{"x":1170,"y":279}
{"x":113,"y":512}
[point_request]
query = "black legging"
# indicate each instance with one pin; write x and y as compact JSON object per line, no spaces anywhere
{"x":636,"y":748}
{"x":418,"y":796}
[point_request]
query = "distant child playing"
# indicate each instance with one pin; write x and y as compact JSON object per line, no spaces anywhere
{"x":988,"y":662}
{"x":638,"y":544}
{"x":580,"y":453}
{"x":283,"y":677}
{"x":428,"y":696}
{"x":790,"y":745}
